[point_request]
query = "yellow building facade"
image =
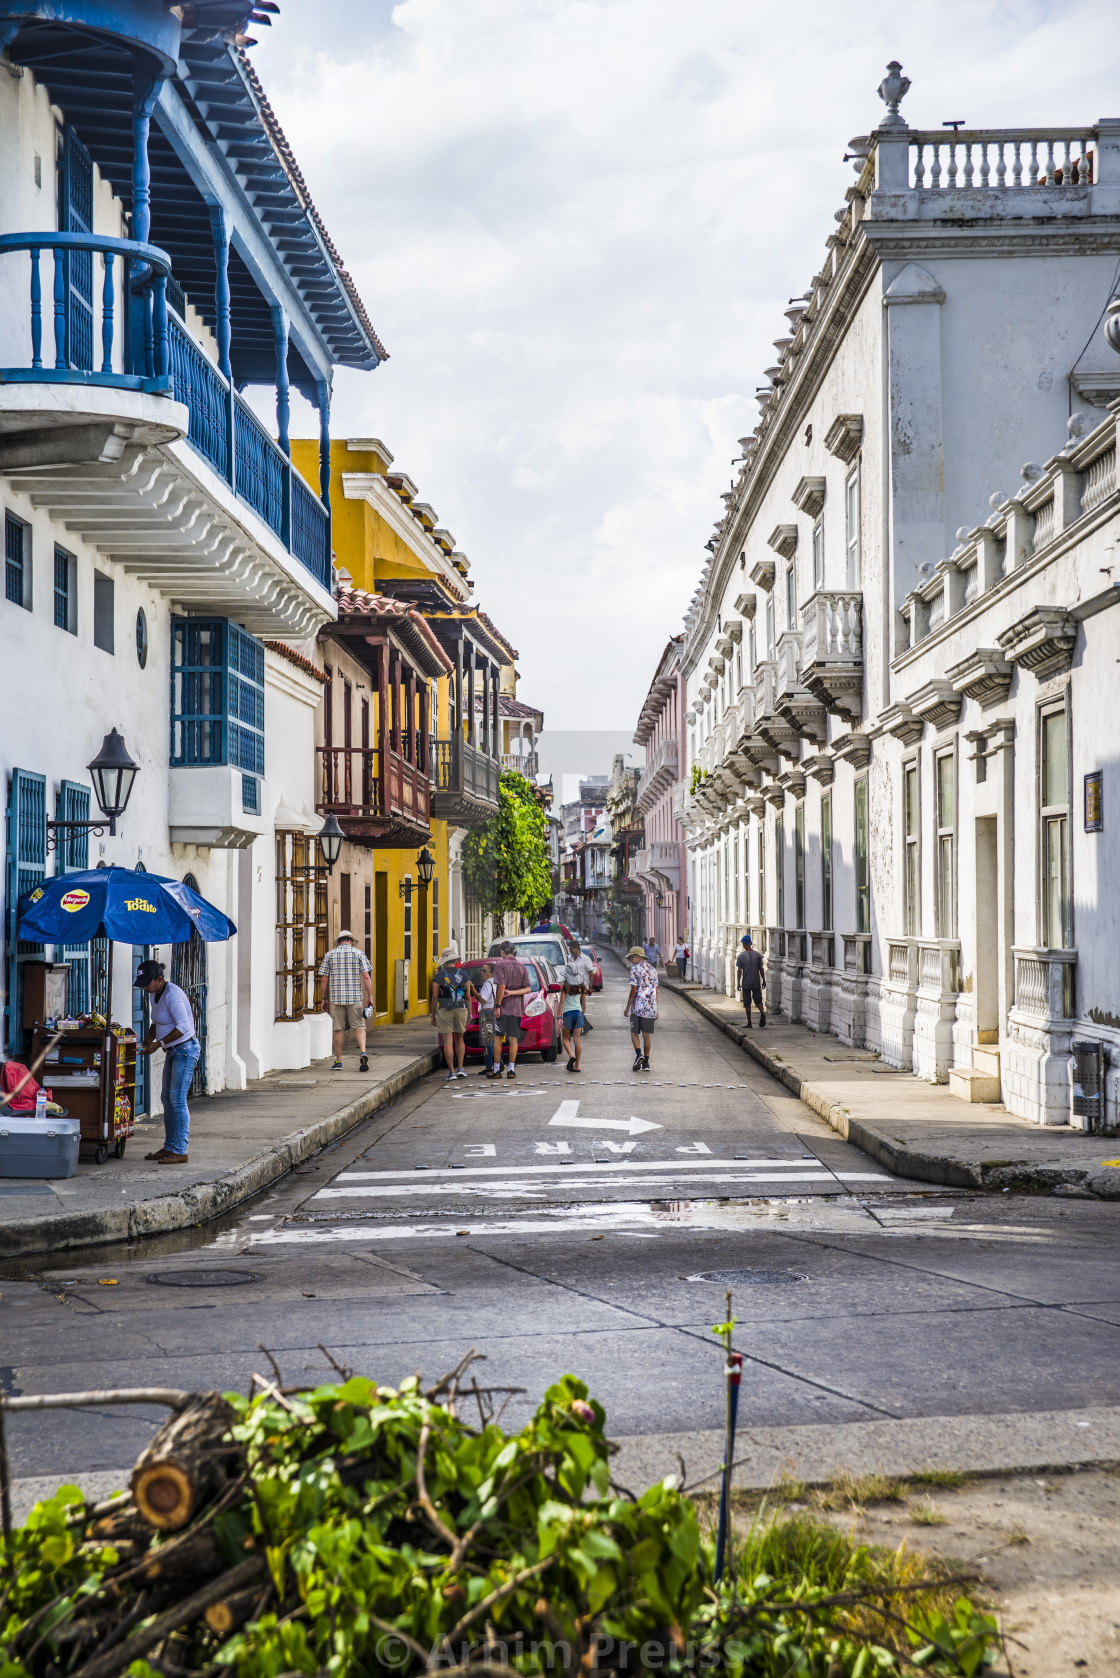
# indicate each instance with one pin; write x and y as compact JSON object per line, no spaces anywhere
{"x":410,"y":737}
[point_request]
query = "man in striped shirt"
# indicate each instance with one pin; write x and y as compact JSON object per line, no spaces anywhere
{"x":345,"y":993}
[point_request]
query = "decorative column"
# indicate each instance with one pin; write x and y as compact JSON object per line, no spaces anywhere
{"x":219,"y":231}
{"x":323,"y":397}
{"x":283,"y":397}
{"x":470,"y":698}
{"x":145,"y":91}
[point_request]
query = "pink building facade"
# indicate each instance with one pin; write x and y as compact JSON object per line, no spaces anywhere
{"x":660,"y":866}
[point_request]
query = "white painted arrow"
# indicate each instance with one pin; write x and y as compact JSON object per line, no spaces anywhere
{"x":567,"y":1115}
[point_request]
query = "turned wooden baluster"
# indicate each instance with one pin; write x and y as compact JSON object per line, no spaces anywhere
{"x":108,"y":301}
{"x":36,"y":310}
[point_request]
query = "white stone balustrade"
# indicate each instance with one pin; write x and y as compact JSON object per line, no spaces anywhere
{"x":832,"y":625}
{"x":1044,"y":982}
{"x":996,"y":159}
{"x":1071,"y":486}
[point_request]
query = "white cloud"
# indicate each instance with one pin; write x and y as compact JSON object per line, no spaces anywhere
{"x":575,"y":224}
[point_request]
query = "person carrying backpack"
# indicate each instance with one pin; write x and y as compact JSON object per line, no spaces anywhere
{"x":573,"y":978}
{"x":751,"y":977}
{"x":450,"y":1009}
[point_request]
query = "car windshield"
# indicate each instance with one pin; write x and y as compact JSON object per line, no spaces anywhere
{"x":473,"y":970}
{"x":543,"y":949}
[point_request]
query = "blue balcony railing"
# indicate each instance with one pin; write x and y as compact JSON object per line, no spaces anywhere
{"x":136,"y":297}
{"x":136,"y":331}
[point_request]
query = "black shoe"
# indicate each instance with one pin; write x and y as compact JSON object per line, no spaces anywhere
{"x":637,"y":1066}
{"x":645,"y":1063}
{"x":484,"y":1073}
{"x":749,"y":1025}
{"x":762,"y":1019}
{"x":363,"y":1064}
{"x":511,"y":1073}
{"x":571,"y":1063}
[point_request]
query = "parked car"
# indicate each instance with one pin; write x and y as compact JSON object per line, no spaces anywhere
{"x":551,"y":947}
{"x":540,"y":1011}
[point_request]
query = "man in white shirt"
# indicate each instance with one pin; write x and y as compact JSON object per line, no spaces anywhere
{"x":173,"y":1030}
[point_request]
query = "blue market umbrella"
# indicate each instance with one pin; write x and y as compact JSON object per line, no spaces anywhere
{"x":121,"y":905}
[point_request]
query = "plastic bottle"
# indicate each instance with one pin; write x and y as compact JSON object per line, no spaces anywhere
{"x":40,"y":1104}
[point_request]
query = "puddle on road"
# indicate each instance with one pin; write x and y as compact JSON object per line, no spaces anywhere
{"x":643,"y":1220}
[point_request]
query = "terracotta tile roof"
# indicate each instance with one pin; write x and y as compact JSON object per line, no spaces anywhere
{"x":299,"y":185}
{"x":356,"y":603}
{"x":298,"y":660}
{"x":508,"y":707}
{"x":499,"y":637}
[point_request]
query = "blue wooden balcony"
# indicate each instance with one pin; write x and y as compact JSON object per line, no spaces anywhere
{"x":143,"y":346}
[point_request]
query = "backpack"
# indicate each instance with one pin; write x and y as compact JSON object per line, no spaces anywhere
{"x":452,"y":986}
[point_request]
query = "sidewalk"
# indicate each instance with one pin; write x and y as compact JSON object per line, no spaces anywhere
{"x":241,"y":1141}
{"x":912,"y":1128}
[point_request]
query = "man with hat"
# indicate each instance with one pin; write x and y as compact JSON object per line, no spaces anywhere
{"x":173,"y":1030}
{"x":752,"y":979}
{"x":641,"y":1005}
{"x":346,"y":994}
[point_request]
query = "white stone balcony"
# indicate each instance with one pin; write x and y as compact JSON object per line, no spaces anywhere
{"x":832,"y":653}
{"x":658,"y":775}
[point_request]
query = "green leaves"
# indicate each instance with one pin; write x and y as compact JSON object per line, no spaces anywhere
{"x":380,"y":1564}
{"x":506,"y":862}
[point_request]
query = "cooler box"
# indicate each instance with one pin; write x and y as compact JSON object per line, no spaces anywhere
{"x":31,"y":1147}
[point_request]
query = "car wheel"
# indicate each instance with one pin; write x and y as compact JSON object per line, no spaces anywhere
{"x":549,"y":1055}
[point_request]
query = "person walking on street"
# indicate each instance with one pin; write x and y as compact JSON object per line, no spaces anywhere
{"x":752,"y":978}
{"x":513,"y":984}
{"x":487,"y":1018}
{"x":346,"y":994}
{"x":573,"y":978}
{"x":680,"y":956}
{"x":450,"y":1007}
{"x":584,"y":961}
{"x":641,"y":1005}
{"x":652,"y":951}
{"x":172,"y":1030}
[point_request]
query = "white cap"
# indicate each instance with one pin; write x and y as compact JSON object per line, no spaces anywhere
{"x":346,"y":933}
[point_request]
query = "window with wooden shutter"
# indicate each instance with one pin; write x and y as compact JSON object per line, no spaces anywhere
{"x":25,"y":868}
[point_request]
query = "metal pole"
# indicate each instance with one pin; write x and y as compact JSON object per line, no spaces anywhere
{"x":733,"y":1370}
{"x":5,"y":1484}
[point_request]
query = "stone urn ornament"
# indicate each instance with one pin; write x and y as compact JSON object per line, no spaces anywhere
{"x":892,"y":90}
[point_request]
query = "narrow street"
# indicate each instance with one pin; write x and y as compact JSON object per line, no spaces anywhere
{"x":497,"y":1217}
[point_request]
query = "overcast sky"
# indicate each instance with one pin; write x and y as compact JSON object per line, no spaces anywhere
{"x":576,"y":223}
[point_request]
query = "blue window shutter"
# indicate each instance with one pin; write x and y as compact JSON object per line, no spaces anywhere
{"x":217,"y":695}
{"x":73,"y":853}
{"x":25,"y":868}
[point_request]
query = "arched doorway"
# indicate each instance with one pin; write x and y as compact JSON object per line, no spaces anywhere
{"x":188,"y":969}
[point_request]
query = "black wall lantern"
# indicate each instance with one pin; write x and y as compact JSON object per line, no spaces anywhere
{"x":112,"y":772}
{"x":329,"y":840}
{"x":425,"y":867}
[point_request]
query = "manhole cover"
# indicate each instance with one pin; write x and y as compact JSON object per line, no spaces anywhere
{"x":750,"y":1278}
{"x":204,"y":1278}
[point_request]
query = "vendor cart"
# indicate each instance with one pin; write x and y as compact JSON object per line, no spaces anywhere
{"x":92,"y":1073}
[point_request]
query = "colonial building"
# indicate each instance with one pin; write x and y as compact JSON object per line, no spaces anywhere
{"x":411,"y":739}
{"x":899,"y":656}
{"x":625,"y":911}
{"x":162,"y":261}
{"x":661,"y":865}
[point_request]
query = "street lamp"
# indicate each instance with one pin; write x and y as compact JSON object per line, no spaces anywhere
{"x":329,"y":839}
{"x":425,"y":867}
{"x":112,"y":772}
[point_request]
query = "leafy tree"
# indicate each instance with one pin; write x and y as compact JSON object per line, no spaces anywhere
{"x":505,"y":863}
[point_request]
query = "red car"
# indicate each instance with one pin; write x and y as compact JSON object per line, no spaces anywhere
{"x":540,"y":1012}
{"x":596,"y":966}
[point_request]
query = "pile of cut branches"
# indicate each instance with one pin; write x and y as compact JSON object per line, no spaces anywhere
{"x":357,"y":1529}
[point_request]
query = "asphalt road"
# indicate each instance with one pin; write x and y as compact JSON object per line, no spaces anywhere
{"x":590,"y":1224}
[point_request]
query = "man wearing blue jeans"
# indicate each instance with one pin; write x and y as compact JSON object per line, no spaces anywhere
{"x":172,"y":1030}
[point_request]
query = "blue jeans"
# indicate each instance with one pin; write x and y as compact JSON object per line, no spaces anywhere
{"x":178,"y":1070}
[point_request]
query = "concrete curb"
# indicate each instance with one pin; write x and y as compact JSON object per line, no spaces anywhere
{"x":203,"y":1202}
{"x":1043,"y":1442}
{"x":1022,"y":1177}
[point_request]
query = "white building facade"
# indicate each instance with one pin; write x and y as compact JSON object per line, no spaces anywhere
{"x":161,"y":552}
{"x":898,"y":658}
